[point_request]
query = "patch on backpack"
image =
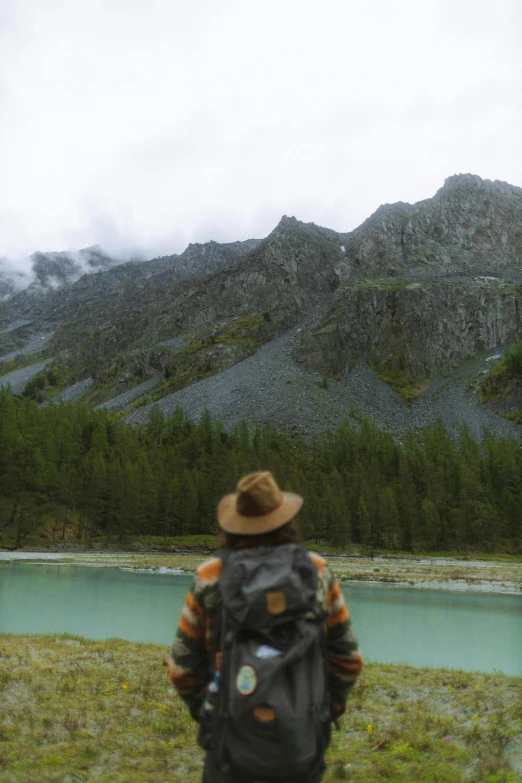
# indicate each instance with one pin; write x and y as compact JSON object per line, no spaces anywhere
{"x":246,"y":680}
{"x":264,"y":714}
{"x":275,"y":603}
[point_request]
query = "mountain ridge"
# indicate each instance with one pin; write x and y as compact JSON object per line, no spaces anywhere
{"x":413,"y":291}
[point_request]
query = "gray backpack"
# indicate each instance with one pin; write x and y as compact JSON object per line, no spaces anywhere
{"x":271,"y":719}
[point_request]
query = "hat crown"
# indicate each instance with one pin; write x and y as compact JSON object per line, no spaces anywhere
{"x":258,"y":494}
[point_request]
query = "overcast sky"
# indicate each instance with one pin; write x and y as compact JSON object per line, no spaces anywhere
{"x":143,"y":125}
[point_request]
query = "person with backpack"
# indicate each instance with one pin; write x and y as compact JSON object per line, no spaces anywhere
{"x":264,"y":654}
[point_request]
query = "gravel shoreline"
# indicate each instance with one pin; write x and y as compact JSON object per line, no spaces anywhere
{"x":427,"y":573}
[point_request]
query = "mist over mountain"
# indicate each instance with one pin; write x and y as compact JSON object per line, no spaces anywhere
{"x":48,"y":271}
{"x":11,"y":280}
{"x":56,"y":269}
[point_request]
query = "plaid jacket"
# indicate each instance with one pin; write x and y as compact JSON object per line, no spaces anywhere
{"x":191,"y":655}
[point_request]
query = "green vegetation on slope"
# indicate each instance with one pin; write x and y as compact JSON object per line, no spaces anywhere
{"x":211,"y":351}
{"x":72,"y":709}
{"x":510,"y":366}
{"x":206,"y":353}
{"x":409,"y":386}
{"x":49,"y":382}
{"x":503,"y":374}
{"x":383,"y":284}
{"x":96,"y":475}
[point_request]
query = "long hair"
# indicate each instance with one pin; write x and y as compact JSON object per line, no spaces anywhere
{"x":286,"y":534}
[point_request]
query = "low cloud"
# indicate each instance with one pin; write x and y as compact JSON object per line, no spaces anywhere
{"x":142,"y":127}
{"x":12,"y":279}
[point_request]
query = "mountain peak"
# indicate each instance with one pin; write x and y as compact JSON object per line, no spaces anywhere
{"x":291,"y":223}
{"x":471,"y":183}
{"x":287,"y":220}
{"x":460,"y":180}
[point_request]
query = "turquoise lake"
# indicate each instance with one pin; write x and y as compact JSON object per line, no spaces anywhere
{"x":435,"y":628}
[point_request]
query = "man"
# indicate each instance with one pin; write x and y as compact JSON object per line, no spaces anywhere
{"x":263,"y":640}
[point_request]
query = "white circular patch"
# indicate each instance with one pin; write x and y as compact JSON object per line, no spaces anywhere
{"x":246,"y":680}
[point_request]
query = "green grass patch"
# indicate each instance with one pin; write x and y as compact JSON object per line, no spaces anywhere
{"x":407,"y":385}
{"x":514,"y":417}
{"x":78,"y":710}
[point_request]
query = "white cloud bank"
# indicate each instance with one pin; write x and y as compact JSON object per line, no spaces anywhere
{"x":145,"y":125}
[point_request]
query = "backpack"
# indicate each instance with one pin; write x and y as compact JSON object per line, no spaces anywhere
{"x":267,"y":712}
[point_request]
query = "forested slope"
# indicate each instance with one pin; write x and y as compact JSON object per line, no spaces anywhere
{"x":83,"y":473}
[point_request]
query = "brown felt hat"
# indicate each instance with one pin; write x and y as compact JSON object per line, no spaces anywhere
{"x":258,"y":506}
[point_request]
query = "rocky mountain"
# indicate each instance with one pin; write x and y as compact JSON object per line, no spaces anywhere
{"x":50,"y":272}
{"x":422,"y":327}
{"x":275,"y":283}
{"x":57,"y":295}
{"x":471,"y":226}
{"x":428,"y":285}
{"x":413,"y":293}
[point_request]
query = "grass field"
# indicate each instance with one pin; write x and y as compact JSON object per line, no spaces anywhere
{"x":73,"y":710}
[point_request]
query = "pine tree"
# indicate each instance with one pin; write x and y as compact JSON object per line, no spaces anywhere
{"x":363,"y":524}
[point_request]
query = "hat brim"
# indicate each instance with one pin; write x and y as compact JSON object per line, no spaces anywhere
{"x":232,"y":522}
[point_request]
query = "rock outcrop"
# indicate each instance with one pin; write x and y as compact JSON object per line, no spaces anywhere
{"x":282,"y":277}
{"x":427,"y":285}
{"x":414,"y":290}
{"x":418,"y":328}
{"x":289,"y":272}
{"x":471,"y":225}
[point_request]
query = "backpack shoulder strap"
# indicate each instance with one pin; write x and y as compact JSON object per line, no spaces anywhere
{"x":224,"y":556}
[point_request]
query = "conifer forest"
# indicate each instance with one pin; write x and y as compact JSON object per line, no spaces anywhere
{"x":85,"y":469}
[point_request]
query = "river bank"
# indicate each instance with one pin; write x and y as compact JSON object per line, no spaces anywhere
{"x":441,"y":573}
{"x":76,"y":710}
